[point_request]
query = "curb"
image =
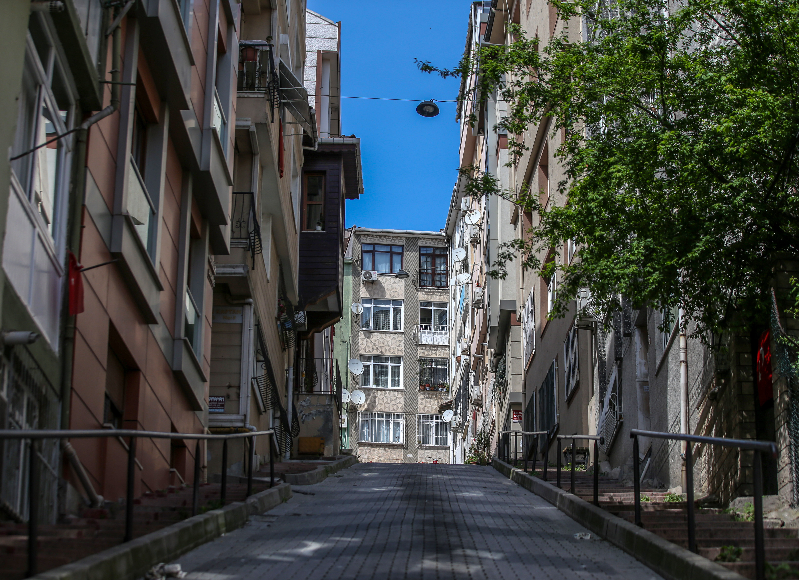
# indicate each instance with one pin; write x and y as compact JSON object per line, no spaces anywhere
{"x":320,"y":473}
{"x":667,"y":559}
{"x":133,"y":559}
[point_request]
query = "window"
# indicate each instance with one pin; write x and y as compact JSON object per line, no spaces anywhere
{"x":381,"y":315}
{"x":546,"y":401}
{"x":33,"y":251}
{"x":552,"y":291}
{"x":433,"y":267}
{"x":382,"y":372}
{"x":382,"y":427}
{"x":433,"y":374}
{"x":433,"y":316}
{"x":528,"y":327}
{"x":138,"y":145}
{"x":671,"y":317}
{"x":571,"y":249}
{"x":195,"y":280}
{"x":314,"y":203}
{"x":432,"y":430}
{"x":382,"y":258}
{"x":571,"y":366}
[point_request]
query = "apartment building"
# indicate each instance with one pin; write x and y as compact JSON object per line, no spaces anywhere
{"x":331,"y":175}
{"x":400,"y":335}
{"x":486,"y":333}
{"x":256,"y":291}
{"x":635,"y":367}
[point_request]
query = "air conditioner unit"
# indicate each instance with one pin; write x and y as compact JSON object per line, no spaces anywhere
{"x":477,"y":301}
{"x":369,"y":275}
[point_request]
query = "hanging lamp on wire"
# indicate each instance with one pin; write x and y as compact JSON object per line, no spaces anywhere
{"x":427,"y":108}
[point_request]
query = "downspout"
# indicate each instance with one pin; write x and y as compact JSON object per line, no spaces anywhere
{"x":74,"y":243}
{"x":290,"y":391}
{"x":684,"y":417}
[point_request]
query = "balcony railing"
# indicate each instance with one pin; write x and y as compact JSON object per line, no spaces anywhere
{"x":611,"y":417}
{"x":433,"y":334}
{"x":257,"y":71}
{"x":316,"y":376}
{"x":244,"y":222}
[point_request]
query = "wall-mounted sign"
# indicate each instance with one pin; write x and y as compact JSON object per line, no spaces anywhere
{"x":216,"y":404}
{"x":517,"y":416}
{"x":227,"y":315}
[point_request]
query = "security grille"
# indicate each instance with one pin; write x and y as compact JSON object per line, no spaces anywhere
{"x":571,"y":367}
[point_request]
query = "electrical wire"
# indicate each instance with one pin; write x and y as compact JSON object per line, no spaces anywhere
{"x":387,"y":98}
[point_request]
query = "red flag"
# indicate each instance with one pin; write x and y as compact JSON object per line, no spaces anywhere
{"x":280,"y":152}
{"x":75,"y":286}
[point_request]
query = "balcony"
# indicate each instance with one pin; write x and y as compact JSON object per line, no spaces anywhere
{"x":315,"y":376}
{"x":258,"y":73}
{"x":433,"y":334}
{"x":245,"y":231}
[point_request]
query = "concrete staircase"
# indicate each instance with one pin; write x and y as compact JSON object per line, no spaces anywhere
{"x":719,"y":536}
{"x":99,"y":529}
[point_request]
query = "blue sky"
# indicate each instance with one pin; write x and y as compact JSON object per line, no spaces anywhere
{"x":410,"y":163}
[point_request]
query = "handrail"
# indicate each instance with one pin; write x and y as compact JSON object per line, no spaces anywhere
{"x":744,"y":444}
{"x":36,"y":435}
{"x":598,"y":440}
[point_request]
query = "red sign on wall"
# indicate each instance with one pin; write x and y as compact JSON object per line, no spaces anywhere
{"x":517,"y":416}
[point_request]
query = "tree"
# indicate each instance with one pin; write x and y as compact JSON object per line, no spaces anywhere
{"x":682,"y":128}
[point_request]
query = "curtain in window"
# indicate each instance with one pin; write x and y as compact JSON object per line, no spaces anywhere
{"x":383,"y":259}
{"x":441,"y":319}
{"x":380,"y":369}
{"x":395,"y":372}
{"x":381,"y":315}
{"x":397,"y":315}
{"x":397,"y":430}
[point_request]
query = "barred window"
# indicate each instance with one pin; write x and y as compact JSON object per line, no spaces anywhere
{"x":382,"y":427}
{"x":433,"y":374}
{"x":382,"y":372}
{"x":381,"y":314}
{"x":432,"y":430}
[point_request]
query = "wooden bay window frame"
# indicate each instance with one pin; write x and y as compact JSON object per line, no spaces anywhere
{"x":313,"y":209}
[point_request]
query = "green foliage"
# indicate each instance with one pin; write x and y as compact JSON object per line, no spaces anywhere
{"x":781,"y":572}
{"x":745,"y":515}
{"x":729,"y":554}
{"x":645,"y":498}
{"x":679,"y":157}
{"x":673,"y":497}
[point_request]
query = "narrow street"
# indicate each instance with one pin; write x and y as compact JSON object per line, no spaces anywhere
{"x":412,"y":521}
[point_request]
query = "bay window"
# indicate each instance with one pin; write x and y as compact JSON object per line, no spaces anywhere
{"x":34,"y":249}
{"x":382,"y":428}
{"x":382,"y":372}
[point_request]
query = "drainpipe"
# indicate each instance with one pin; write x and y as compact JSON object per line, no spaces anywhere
{"x":684,"y":416}
{"x":290,"y":391}
{"x":75,"y":218}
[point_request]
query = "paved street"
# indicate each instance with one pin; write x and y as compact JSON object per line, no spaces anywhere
{"x":412,"y":521}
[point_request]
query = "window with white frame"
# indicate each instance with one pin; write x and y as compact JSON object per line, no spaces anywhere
{"x":671,"y":317}
{"x":571,"y":249}
{"x":382,"y":372}
{"x":552,"y":291}
{"x":381,"y":314}
{"x":432,"y":430}
{"x":433,"y":316}
{"x":528,"y":326}
{"x":382,"y":428}
{"x":41,"y":157}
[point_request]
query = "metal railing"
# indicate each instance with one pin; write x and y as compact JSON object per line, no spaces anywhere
{"x":598,"y":440}
{"x":758,"y":447}
{"x":436,"y":334}
{"x":315,"y":376}
{"x":34,"y":436}
{"x":244,"y":223}
{"x":257,"y":71}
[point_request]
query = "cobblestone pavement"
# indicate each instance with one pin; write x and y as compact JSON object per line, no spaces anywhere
{"x":412,"y":521}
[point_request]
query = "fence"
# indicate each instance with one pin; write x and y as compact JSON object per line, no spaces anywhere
{"x":758,"y":447}
{"x":34,"y":437}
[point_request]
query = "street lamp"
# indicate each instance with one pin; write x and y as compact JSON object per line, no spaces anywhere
{"x":427,"y":109}
{"x":402,"y":274}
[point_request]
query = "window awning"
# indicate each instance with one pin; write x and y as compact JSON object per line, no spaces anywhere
{"x":295,"y":98}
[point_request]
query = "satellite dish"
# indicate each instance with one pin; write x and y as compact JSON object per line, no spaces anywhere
{"x":462,"y":278}
{"x":459,"y":254}
{"x":472,"y":218}
{"x":356,"y":308}
{"x":448,"y":415}
{"x":345,"y":396}
{"x":358,"y":397}
{"x":355,"y":366}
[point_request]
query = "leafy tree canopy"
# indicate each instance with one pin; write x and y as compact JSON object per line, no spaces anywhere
{"x":682,"y":126}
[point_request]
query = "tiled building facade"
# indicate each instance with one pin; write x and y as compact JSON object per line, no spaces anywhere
{"x":404,"y":350}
